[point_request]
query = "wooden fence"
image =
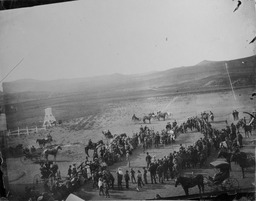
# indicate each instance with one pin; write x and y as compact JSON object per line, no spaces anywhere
{"x":25,"y":131}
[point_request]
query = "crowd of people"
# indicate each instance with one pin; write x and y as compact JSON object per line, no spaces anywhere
{"x":155,"y":170}
{"x":162,"y":169}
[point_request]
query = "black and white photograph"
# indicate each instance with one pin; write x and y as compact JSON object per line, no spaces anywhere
{"x":127,"y":100}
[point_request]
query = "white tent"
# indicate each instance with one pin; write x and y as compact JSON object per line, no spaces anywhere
{"x":49,"y":119}
{"x":73,"y":197}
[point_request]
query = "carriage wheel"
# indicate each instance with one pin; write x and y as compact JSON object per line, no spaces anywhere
{"x":231,"y":185}
{"x":24,"y":160}
{"x":208,"y":185}
{"x":37,"y":181}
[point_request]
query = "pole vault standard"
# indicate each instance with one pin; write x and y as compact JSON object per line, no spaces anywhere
{"x":230,"y":81}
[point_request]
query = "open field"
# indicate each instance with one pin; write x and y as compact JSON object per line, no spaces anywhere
{"x":88,"y":106}
{"x":25,"y":100}
{"x":115,"y":116}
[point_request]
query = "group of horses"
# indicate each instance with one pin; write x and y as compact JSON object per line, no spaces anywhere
{"x":116,"y":147}
{"x":159,"y":115}
{"x":190,"y":157}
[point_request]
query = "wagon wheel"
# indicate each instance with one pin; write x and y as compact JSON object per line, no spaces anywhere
{"x":231,"y":185}
{"x":208,"y":185}
{"x":37,"y":181}
{"x":24,"y":160}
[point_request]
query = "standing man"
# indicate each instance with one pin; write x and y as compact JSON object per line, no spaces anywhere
{"x":145,"y":175}
{"x":233,"y":132}
{"x":70,"y":171}
{"x":148,"y":159}
{"x":139,"y":179}
{"x":127,"y":179}
{"x":119,"y":179}
{"x":128,"y":157}
{"x":159,"y":171}
{"x":152,"y":170}
{"x":133,"y":176}
{"x":240,"y":139}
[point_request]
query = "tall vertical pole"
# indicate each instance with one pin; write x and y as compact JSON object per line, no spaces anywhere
{"x":230,"y":81}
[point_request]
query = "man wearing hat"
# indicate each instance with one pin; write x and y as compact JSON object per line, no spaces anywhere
{"x":127,"y":179}
{"x":148,"y":159}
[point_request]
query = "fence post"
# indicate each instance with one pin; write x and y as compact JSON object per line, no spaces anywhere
{"x":27,"y":131}
{"x":36,"y":130}
{"x":18,"y":131}
{"x":8,"y":134}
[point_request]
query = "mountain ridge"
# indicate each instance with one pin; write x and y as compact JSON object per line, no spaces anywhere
{"x":205,"y":69}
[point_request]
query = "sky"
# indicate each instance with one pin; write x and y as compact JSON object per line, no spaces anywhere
{"x":96,"y":37}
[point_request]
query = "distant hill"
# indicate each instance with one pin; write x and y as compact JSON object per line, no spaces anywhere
{"x":202,"y":76}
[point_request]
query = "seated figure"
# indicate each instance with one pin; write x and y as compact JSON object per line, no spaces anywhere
{"x":219,"y":177}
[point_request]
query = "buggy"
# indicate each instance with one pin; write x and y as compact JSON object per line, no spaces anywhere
{"x":221,"y":181}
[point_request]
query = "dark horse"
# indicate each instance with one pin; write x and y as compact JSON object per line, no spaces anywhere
{"x":162,"y":115}
{"x":107,"y":134}
{"x":134,"y":118}
{"x":187,"y":182}
{"x":148,"y":117}
{"x":226,"y":155}
{"x":92,"y":146}
{"x":244,"y":160}
{"x":52,"y":151}
{"x":42,"y":142}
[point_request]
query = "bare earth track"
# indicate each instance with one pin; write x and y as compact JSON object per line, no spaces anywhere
{"x":116,"y":117}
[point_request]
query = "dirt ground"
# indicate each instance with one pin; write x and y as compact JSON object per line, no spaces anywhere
{"x":117,"y":119}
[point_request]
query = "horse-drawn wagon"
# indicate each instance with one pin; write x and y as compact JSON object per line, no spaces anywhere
{"x":221,"y":181}
{"x":32,"y":155}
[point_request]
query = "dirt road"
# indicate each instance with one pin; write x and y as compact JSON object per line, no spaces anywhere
{"x":116,"y":117}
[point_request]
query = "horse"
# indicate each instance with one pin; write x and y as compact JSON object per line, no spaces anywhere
{"x":244,"y":160}
{"x":162,"y":115}
{"x":187,"y":183}
{"x":43,"y":142}
{"x":205,"y":116}
{"x":134,"y":118}
{"x":107,"y":134}
{"x":92,"y":146}
{"x":52,"y":151}
{"x":147,"y":117}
